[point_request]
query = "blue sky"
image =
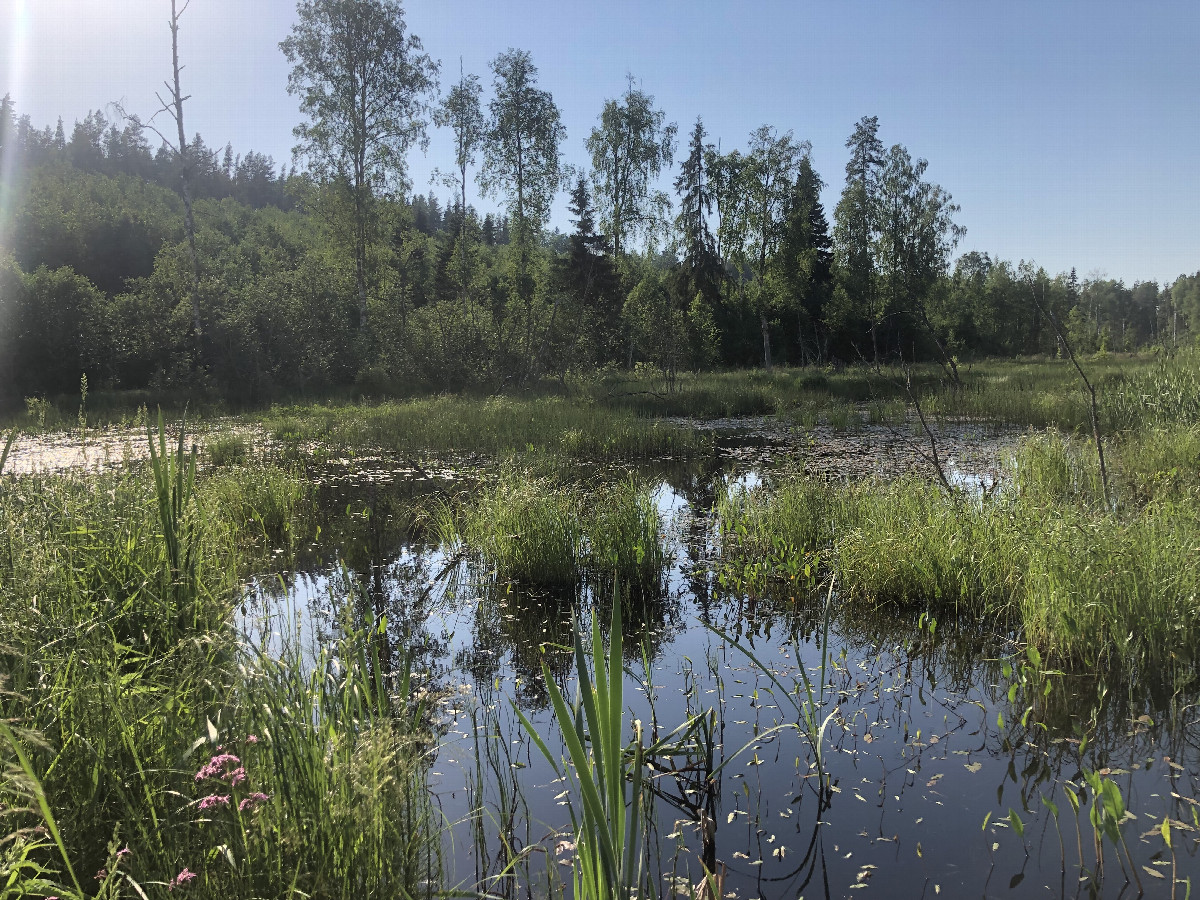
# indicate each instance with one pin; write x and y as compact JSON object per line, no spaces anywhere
{"x":1069,"y":132}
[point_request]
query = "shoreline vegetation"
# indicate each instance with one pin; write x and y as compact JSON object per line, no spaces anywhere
{"x":149,"y":745}
{"x":399,"y":397}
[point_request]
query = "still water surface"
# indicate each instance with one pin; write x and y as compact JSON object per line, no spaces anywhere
{"x":942,"y":785}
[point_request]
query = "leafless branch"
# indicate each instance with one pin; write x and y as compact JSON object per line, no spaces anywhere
{"x":1091,"y":391}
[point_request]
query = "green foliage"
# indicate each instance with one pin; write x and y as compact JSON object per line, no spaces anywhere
{"x":539,"y":532}
{"x":632,"y":144}
{"x":362,"y":80}
{"x":496,"y":427}
{"x":126,"y":675}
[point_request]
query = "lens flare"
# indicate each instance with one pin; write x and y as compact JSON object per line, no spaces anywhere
{"x":18,"y":44}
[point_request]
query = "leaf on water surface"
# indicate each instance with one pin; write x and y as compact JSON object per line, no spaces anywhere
{"x":1154,"y":872}
{"x":973,"y":767}
{"x":1017,"y":824}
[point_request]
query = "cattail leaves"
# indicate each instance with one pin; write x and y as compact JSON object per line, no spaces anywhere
{"x":609,"y":807}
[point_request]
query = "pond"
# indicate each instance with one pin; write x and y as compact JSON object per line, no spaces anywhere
{"x":955,"y":765}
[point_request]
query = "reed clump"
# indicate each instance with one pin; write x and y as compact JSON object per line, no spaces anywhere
{"x":259,"y":499}
{"x":542,"y":532}
{"x":1090,"y":584}
{"x":227,"y":448}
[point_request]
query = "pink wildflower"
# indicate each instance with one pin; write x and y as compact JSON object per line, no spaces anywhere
{"x":252,"y":739}
{"x":181,"y":879}
{"x":236,"y":777}
{"x":102,"y":874}
{"x":215,"y":767}
{"x":214,"y":800}
{"x":124,"y":852}
{"x":252,"y":801}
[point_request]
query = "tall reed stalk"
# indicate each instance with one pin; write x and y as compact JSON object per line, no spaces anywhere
{"x":610,"y":807}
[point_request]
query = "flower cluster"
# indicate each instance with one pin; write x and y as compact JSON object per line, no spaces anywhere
{"x":253,"y":800}
{"x":214,"y":800}
{"x":222,"y":775}
{"x":215,"y":767}
{"x":185,"y":875}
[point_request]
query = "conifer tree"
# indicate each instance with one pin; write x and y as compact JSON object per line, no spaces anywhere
{"x":701,"y":267}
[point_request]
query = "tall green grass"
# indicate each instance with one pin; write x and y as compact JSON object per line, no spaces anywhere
{"x":543,"y":532}
{"x":1134,"y":392}
{"x":127,"y":691}
{"x":498,"y":426}
{"x":752,"y":392}
{"x":1090,"y":584}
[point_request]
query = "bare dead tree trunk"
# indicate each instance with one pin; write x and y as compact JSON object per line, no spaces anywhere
{"x":185,"y":165}
{"x":933,"y":457}
{"x":1091,"y":391}
{"x":933,"y":448}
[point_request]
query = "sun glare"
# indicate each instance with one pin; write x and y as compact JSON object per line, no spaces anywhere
{"x":18,"y":42}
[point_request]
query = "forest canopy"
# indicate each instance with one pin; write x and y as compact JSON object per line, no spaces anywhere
{"x":333,"y":271}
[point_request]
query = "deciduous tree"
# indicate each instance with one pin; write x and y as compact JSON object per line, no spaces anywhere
{"x":771,"y":168}
{"x":363,"y":83}
{"x":521,"y":162}
{"x":630,"y":147}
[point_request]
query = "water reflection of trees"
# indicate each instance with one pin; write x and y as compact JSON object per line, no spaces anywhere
{"x":895,"y":667}
{"x":520,"y":629}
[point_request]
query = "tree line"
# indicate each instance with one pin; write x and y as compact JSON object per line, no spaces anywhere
{"x":288,"y":281}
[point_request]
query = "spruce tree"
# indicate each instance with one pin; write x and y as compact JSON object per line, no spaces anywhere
{"x":805,"y":261}
{"x":701,"y":267}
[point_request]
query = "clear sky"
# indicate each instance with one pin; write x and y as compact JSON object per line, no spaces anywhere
{"x":1068,"y":131}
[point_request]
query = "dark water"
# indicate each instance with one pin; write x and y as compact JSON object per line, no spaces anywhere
{"x":941,"y":780}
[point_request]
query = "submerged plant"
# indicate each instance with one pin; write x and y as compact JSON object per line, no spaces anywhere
{"x":807,"y":700}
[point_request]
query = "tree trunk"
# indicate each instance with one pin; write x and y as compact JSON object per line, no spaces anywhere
{"x":185,"y":165}
{"x":766,"y":337}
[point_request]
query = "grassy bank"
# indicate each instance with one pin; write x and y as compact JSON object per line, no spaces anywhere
{"x":148,"y":748}
{"x":494,"y":427}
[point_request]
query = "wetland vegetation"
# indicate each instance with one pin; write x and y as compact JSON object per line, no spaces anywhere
{"x":327,"y":653}
{"x":718,"y":549}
